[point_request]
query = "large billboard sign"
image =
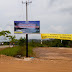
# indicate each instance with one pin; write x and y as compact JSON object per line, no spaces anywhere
{"x":26,"y":27}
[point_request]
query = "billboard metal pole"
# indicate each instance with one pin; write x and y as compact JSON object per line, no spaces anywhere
{"x":26,"y":34}
{"x":26,"y":20}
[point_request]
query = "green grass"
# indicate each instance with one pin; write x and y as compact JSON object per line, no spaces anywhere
{"x":10,"y":51}
{"x":30,"y":51}
{"x":19,"y":50}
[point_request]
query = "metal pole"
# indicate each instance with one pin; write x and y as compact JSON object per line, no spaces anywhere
{"x":26,"y":34}
{"x":26,"y":20}
{"x":26,"y":11}
{"x":26,"y":45}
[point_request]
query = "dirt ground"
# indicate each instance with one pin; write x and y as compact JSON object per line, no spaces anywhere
{"x":4,"y":46}
{"x":48,"y":60}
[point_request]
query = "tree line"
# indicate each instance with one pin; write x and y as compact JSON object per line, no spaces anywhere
{"x":36,"y":42}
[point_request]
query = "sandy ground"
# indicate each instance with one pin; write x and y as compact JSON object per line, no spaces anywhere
{"x":4,"y":46}
{"x":48,"y":60}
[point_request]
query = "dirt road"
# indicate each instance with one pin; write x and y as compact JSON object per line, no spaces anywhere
{"x":4,"y":46}
{"x":49,"y":60}
{"x":53,"y":53}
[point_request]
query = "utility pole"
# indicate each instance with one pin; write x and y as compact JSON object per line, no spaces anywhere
{"x":27,"y":3}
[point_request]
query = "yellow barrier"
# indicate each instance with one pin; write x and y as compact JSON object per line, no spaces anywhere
{"x":57,"y":36}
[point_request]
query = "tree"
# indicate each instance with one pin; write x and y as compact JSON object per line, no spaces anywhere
{"x":12,"y":38}
{"x":5,"y":33}
{"x":22,"y":41}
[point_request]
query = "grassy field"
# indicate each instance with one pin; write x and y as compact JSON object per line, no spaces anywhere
{"x":18,"y":50}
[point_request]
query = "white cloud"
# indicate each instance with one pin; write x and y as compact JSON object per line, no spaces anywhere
{"x":57,"y":29}
{"x":55,"y":15}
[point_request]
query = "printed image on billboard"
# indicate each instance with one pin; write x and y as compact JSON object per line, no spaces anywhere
{"x":26,"y":27}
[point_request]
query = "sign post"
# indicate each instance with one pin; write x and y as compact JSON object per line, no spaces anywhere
{"x":26,"y":34}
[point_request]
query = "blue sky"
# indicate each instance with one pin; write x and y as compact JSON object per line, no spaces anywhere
{"x":55,"y":16}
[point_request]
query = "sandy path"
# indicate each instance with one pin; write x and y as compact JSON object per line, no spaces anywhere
{"x":4,"y":46}
{"x":9,"y":64}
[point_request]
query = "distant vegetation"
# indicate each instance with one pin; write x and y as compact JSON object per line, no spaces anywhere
{"x":51,"y":43}
{"x":57,"y":43}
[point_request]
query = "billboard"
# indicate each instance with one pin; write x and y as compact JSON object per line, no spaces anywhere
{"x":57,"y":36}
{"x":21,"y":27}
